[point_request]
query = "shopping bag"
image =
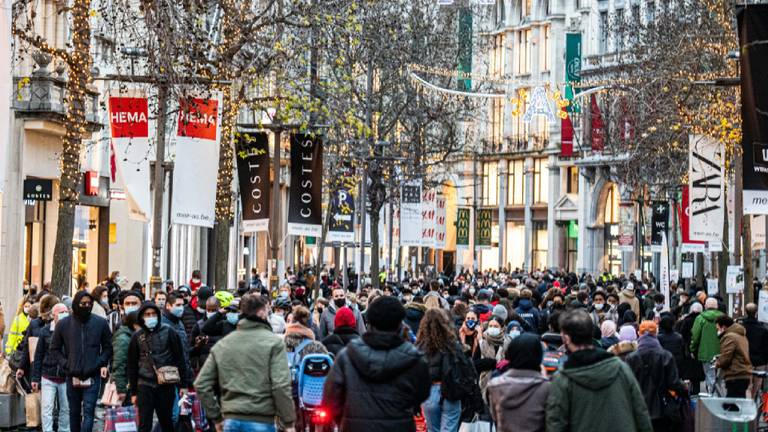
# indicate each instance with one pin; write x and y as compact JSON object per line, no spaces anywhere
{"x":476,"y":425}
{"x":110,"y":396}
{"x":198,"y":413}
{"x":121,"y":419}
{"x":32,"y":409}
{"x":7,"y":378}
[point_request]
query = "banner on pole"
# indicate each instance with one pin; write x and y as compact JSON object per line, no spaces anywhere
{"x":664,"y":268}
{"x":572,"y":69}
{"x":706,"y":189}
{"x":659,"y":224}
{"x":428,"y":198}
{"x":306,"y":189}
{"x":757,"y":226}
{"x":484,"y":228}
{"x":198,"y":133}
{"x":342,"y":224}
{"x":129,"y":127}
{"x":598,"y":126}
{"x":626,"y":226}
{"x":462,"y":227}
{"x":440,"y":228}
{"x":753,"y":32}
{"x":566,"y":137}
{"x":684,"y":215}
{"x":410,"y":214}
{"x":252,"y":155}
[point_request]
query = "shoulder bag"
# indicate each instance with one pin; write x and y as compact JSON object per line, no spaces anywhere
{"x":165,"y":374}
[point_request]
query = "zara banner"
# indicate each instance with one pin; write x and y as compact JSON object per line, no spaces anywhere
{"x":410,"y":214}
{"x":305,"y":193}
{"x":198,"y":132}
{"x":706,"y":193}
{"x":252,"y":154}
{"x":129,"y":128}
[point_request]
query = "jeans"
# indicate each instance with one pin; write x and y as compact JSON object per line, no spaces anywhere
{"x":82,"y":404}
{"x":441,"y":416}
{"x":155,"y":400}
{"x":50,"y":392}
{"x":232,"y":425}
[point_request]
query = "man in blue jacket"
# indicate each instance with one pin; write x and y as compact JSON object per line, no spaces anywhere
{"x":82,"y":346}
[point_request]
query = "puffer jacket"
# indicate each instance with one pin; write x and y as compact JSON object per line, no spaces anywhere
{"x":705,"y":344}
{"x":517,"y":400}
{"x":339,"y":339}
{"x":376,"y":383}
{"x":734,"y":353}
{"x":120,"y":342}
{"x":45,"y":365}
{"x":655,"y":371}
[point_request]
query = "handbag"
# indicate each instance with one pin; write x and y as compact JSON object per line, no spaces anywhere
{"x":110,"y":396}
{"x":121,"y":419}
{"x":165,"y":374}
{"x":476,"y":425}
{"x":32,"y":409}
{"x":7,"y":378}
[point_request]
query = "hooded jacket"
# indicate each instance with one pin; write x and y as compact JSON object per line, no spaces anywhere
{"x":414,"y":312}
{"x":376,"y":383}
{"x":734,"y":353}
{"x":517,"y":400}
{"x":529,"y":313}
{"x":596,"y":392}
{"x":81,"y":342}
{"x":340,"y":338}
{"x":628,"y":297}
{"x":655,"y":371}
{"x":328,"y":317}
{"x":705,"y":344}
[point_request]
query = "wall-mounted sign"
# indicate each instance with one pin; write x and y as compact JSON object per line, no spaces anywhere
{"x":38,"y":189}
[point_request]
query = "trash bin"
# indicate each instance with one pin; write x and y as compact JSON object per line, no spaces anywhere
{"x":725,"y":414}
{"x":12,"y":410}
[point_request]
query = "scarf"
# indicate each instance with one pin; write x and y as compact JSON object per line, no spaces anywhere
{"x":608,"y":328}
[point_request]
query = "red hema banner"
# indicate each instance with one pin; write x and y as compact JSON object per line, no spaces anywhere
{"x":128,"y":117}
{"x":198,"y":118}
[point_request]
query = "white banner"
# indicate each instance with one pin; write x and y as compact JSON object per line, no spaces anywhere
{"x":762,"y":306}
{"x":410,"y":214}
{"x":428,"y":198}
{"x":129,"y":129}
{"x":706,"y":174}
{"x":757,"y":225}
{"x":440,"y":227}
{"x":664,"y":269}
{"x":197,"y":161}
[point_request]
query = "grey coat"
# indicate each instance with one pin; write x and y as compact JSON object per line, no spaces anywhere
{"x":517,"y":400}
{"x":328,"y":317}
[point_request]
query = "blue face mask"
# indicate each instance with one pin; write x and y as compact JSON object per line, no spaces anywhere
{"x":177,"y":311}
{"x":150,"y":322}
{"x":129,"y":309}
{"x":63,"y":315}
{"x":233,"y":317}
{"x":471,"y":324}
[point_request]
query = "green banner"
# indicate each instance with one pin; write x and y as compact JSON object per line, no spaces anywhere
{"x":572,"y":68}
{"x":465,"y":48}
{"x":462,"y":227}
{"x":483,"y":228}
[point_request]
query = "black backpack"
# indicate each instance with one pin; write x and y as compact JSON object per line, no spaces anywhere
{"x":459,"y":376}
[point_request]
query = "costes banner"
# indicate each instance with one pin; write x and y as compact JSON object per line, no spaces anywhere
{"x":462,"y":227}
{"x":129,"y":128}
{"x":342,"y":225}
{"x":198,"y":132}
{"x":252,"y":155}
{"x":706,"y":193}
{"x":440,"y":228}
{"x":410,"y":214}
{"x":305,"y":194}
{"x":753,"y":34}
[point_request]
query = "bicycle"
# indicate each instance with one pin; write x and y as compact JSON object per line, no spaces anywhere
{"x":761,"y":400}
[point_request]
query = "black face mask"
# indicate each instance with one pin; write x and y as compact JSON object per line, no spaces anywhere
{"x":82,"y":313}
{"x":340,"y":302}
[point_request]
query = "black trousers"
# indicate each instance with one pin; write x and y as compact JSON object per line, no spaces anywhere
{"x":737,"y":388}
{"x":155,"y":400}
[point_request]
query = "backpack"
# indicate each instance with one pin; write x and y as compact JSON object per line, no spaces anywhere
{"x":553,"y":360}
{"x":294,"y":359}
{"x":459,"y":376}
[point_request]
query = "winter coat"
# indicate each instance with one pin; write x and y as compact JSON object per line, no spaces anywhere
{"x":250,"y":370}
{"x":517,"y":400}
{"x":414,"y":312}
{"x":190,"y":317}
{"x":596,"y":392}
{"x":31,"y":336}
{"x":376,"y":384}
{"x":443,"y":302}
{"x":178,"y":326}
{"x":217,"y":325}
{"x":757,"y":335}
{"x":655,"y":371}
{"x":339,"y":339}
{"x":164,"y":346}
{"x":18,"y":327}
{"x":705,"y":344}
{"x":673,"y":343}
{"x":45,"y":364}
{"x":120,"y":342}
{"x":529,"y":313}
{"x":328,"y":317}
{"x":628,"y":296}
{"x":734,"y":353}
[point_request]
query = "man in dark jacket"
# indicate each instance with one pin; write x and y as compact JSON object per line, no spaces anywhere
{"x":757,"y":336}
{"x":48,"y":376}
{"x":153,"y":347}
{"x":82,"y":346}
{"x":378,"y":380}
{"x":191,"y":316}
{"x":344,"y":331}
{"x":527,"y":310}
{"x":172,"y":313}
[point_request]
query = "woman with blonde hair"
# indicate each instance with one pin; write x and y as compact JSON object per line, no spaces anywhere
{"x":19,"y":325}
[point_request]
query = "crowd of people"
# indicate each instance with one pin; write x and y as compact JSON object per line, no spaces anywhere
{"x":541,"y":351}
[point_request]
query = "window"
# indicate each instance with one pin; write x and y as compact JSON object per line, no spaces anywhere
{"x":524,"y":52}
{"x":620,"y":31}
{"x":497,"y":122}
{"x":516,"y":183}
{"x":602,"y":43}
{"x":515,"y":238}
{"x":527,"y":8}
{"x":540,"y":181}
{"x":650,"y":11}
{"x":544,"y":55}
{"x":611,"y":213}
{"x":572,"y":182}
{"x":490,"y":184}
{"x":497,"y":65}
{"x":500,"y":13}
{"x":540,"y":244}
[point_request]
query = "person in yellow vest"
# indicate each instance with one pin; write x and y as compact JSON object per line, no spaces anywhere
{"x":19,"y":326}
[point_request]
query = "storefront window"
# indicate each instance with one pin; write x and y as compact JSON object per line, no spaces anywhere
{"x":539,"y":245}
{"x":515,"y":237}
{"x":490,"y":184}
{"x":540,"y":181}
{"x":516,"y":188}
{"x":572,"y":182}
{"x":611,"y":219}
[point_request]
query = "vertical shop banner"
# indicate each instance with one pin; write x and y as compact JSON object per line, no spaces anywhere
{"x":757,"y":228}
{"x":305,"y":193}
{"x":198,"y":132}
{"x":129,"y":129}
{"x":664,"y":269}
{"x":753,"y":47}
{"x":252,"y":155}
{"x":598,"y":127}
{"x":428,"y":198}
{"x":659,"y":224}
{"x":684,"y":215}
{"x":462,"y":227}
{"x":410,"y":214}
{"x":626,"y":226}
{"x":572,"y":69}
{"x":484,"y":229}
{"x":440,"y":227}
{"x":566,"y":137}
{"x":706,"y":189}
{"x":342,"y":225}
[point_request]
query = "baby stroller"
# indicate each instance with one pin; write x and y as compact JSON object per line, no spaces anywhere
{"x":312,"y":415}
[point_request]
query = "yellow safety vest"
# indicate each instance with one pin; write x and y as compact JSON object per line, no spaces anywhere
{"x":18,"y":327}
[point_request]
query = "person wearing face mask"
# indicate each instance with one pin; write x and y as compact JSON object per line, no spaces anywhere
{"x":598,"y":310}
{"x":18,"y":326}
{"x":653,"y":314}
{"x":161,"y":298}
{"x":193,"y":313}
{"x":492,"y":347}
{"x":82,"y":345}
{"x":201,"y":341}
{"x":153,"y":347}
{"x":470,"y":334}
{"x":101,"y":301}
{"x":196,"y":281}
{"x":171,"y":316}
{"x":339,"y":300}
{"x":48,"y":375}
{"x":120,"y":342}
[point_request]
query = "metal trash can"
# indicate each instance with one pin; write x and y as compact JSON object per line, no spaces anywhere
{"x":725,"y":414}
{"x":12,"y":410}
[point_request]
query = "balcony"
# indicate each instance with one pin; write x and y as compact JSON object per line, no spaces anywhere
{"x":44,"y":95}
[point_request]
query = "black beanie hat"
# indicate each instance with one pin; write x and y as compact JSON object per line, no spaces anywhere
{"x":386,"y":314}
{"x":202,"y":295}
{"x":525,"y":352}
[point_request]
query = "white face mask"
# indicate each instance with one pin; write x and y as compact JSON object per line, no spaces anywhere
{"x":493,"y":331}
{"x":599,"y":306}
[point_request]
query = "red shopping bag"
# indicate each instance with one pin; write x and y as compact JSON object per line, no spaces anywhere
{"x":199,"y":419}
{"x":121,"y":419}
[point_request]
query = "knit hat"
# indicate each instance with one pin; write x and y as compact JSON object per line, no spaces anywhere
{"x":344,"y":318}
{"x":525,"y":352}
{"x":386,"y":314}
{"x":203,"y":293}
{"x":648,"y":327}
{"x":500,"y":311}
